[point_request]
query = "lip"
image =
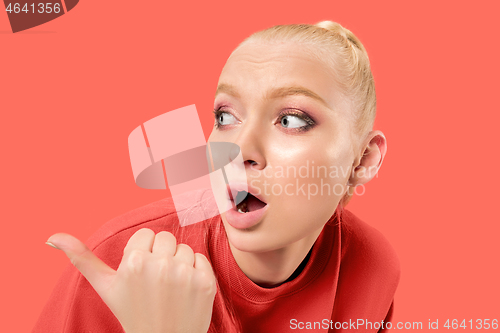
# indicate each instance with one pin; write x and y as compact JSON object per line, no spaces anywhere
{"x":246,"y":220}
{"x":233,"y":188}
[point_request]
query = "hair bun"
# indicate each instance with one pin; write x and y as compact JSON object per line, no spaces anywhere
{"x":336,"y":28}
{"x":333,"y":27}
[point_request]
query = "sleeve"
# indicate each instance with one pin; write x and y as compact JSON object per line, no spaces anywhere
{"x":74,"y":306}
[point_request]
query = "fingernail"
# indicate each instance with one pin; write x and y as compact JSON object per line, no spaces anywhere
{"x":49,"y":243}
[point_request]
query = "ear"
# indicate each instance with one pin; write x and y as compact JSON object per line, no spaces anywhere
{"x":367,"y":164}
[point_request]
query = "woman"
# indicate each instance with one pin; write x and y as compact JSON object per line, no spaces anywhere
{"x":293,"y":97}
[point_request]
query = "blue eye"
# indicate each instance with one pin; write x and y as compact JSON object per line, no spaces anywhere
{"x":290,"y":121}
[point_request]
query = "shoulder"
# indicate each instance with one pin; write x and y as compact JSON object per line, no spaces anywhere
{"x":369,"y":270}
{"x":110,"y":239}
{"x":142,"y":217}
{"x":367,"y":254}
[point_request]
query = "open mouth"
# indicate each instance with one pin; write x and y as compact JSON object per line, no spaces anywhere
{"x":247,"y":209}
{"x":247,"y":202}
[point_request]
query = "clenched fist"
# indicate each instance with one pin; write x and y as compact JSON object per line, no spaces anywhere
{"x":159,"y":286}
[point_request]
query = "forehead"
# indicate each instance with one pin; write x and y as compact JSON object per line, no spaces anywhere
{"x":257,"y":68}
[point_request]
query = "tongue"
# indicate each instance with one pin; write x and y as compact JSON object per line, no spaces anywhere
{"x":253,"y":203}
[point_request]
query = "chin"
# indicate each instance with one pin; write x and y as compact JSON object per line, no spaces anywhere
{"x":255,"y":240}
{"x":249,"y":240}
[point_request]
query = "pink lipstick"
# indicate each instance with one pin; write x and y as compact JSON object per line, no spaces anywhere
{"x":248,"y":207}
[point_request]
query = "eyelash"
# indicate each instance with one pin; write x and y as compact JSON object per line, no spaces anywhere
{"x":301,"y":115}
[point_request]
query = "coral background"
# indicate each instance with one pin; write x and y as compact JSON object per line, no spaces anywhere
{"x":73,"y":89}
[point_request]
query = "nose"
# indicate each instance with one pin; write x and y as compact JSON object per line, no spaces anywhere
{"x":250,"y":141}
{"x":235,"y":151}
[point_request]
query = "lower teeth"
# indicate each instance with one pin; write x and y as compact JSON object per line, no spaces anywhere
{"x":240,"y":211}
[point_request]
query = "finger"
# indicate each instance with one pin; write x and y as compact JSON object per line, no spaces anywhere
{"x":165,"y":244}
{"x":184,"y":253}
{"x":201,"y":262}
{"x":142,"y":239}
{"x":92,"y":268}
{"x":206,"y":280}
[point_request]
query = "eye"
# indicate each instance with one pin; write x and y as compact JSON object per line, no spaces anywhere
{"x":295,"y":121}
{"x":225,"y":118}
{"x":290,"y":121}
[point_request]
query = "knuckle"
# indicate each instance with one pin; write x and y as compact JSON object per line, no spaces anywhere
{"x":165,"y":237}
{"x":164,"y":269}
{"x":135,"y":261}
{"x":184,"y":247}
{"x":205,"y":283}
{"x":76,"y":259}
{"x":183,"y":273}
{"x":166,"y":233}
{"x":183,"y":268}
{"x":201,"y":258}
{"x":145,"y":230}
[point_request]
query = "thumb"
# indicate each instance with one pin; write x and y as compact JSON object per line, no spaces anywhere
{"x":94,"y":269}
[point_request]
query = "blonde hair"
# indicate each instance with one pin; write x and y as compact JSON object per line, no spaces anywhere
{"x":348,"y":59}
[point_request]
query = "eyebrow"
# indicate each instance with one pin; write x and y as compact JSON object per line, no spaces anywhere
{"x":274,"y":93}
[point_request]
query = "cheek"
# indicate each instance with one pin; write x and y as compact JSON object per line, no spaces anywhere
{"x":308,"y":179}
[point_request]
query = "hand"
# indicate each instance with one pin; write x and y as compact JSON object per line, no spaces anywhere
{"x":159,"y":286}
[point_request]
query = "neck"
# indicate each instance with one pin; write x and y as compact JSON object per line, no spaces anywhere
{"x":272,"y":268}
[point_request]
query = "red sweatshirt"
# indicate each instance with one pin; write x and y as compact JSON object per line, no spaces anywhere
{"x":346,"y":283}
